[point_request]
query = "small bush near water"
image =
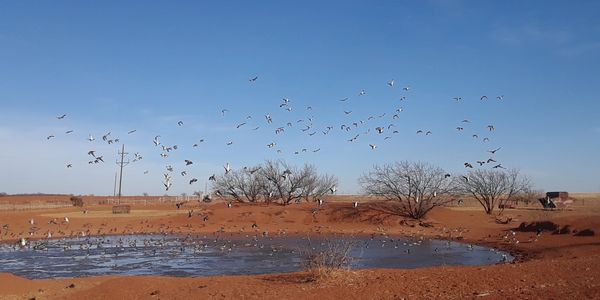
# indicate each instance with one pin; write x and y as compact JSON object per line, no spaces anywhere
{"x":329,"y":260}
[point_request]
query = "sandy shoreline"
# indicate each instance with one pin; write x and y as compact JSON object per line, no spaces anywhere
{"x":554,"y":266}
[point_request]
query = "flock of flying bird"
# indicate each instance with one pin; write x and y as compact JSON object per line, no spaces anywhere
{"x":354,"y":129}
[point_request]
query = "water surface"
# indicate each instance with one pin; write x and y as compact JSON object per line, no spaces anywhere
{"x":223,"y":254}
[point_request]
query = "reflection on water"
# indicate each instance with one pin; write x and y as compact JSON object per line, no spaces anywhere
{"x":205,"y":255}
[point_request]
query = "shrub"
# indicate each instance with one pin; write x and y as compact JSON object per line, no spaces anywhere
{"x":77,"y":201}
{"x":329,"y":260}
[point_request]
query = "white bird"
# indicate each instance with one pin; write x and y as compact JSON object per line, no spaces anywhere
{"x":355,"y":204}
{"x":180,"y":123}
{"x":362,"y":92}
{"x":91,"y":138}
{"x":391,"y":83}
{"x":333,"y":189}
{"x":66,"y":220}
{"x":227,"y":168}
{"x":407,"y":88}
{"x":31,"y":221}
{"x":373,"y":146}
{"x":156,"y":140}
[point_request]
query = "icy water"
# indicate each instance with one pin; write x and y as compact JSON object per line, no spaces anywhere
{"x":206,"y":255}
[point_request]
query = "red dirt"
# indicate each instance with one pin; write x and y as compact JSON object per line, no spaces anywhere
{"x":553,"y":266}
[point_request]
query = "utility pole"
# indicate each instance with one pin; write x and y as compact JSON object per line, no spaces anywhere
{"x":115,"y":186}
{"x":121,"y":163}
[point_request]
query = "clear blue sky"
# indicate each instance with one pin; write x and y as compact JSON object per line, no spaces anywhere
{"x":145,"y":65}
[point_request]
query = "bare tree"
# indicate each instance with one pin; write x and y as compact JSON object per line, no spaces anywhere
{"x":416,"y":187}
{"x":243,"y":185}
{"x":274,"y":180}
{"x":286,"y":181}
{"x":494,"y":187}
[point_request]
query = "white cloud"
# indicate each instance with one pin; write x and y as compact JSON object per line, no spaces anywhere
{"x":531,"y":34}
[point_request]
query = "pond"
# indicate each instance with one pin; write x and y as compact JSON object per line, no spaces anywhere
{"x":224,"y":254}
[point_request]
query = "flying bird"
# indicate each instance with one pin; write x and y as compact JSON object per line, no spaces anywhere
{"x":188,"y":162}
{"x":391,"y":83}
{"x":193,"y":180}
{"x":61,"y":116}
{"x":253,"y":79}
{"x":468,"y":165}
{"x":494,"y":151}
{"x":180,"y":123}
{"x":49,"y":137}
{"x":131,"y":131}
{"x":483,"y":98}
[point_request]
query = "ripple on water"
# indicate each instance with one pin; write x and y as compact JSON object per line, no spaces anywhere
{"x":172,"y":255}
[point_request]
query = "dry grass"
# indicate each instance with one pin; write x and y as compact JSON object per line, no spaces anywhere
{"x":329,"y":261}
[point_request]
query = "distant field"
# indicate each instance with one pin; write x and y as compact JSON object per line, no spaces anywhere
{"x":44,"y":202}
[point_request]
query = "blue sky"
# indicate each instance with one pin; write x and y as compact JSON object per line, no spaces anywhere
{"x":118,"y":66}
